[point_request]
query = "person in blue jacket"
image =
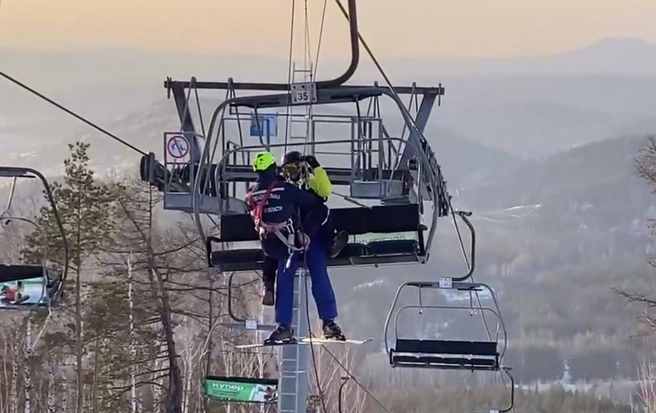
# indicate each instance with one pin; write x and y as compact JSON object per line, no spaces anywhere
{"x":319,"y":184}
{"x":275,"y":206}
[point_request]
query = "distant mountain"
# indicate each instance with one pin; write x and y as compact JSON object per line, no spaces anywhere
{"x":528,"y":106}
{"x":594,"y":182}
{"x":626,"y":56}
{"x":463,"y":159}
{"x":528,"y":128}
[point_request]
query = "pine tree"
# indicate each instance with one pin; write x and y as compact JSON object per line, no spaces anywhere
{"x":139,"y":240}
{"x":85,"y":208}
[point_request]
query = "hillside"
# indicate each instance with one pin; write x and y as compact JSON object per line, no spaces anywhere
{"x":560,"y":216}
{"x":583,"y":174}
{"x":554,"y":262}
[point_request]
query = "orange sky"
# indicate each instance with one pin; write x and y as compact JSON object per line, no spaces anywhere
{"x":394,"y":28}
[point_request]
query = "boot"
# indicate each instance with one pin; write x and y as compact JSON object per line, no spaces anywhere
{"x":339,"y":242}
{"x":331,"y":331}
{"x":281,"y":335}
{"x":268,"y":299}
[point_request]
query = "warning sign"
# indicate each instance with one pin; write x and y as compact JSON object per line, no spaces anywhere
{"x":177,"y":146}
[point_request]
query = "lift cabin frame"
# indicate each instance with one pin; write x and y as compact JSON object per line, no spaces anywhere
{"x":420,"y":179}
{"x":52,"y":280}
{"x":450,"y":354}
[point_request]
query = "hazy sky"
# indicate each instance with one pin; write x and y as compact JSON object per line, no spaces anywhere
{"x":393,"y":27}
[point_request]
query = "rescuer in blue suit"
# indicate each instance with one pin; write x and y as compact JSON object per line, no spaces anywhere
{"x":316,"y":181}
{"x":274,"y":206}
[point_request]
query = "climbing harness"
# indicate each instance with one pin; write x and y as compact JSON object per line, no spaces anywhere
{"x":265,"y":229}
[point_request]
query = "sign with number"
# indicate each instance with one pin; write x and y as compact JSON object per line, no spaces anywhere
{"x":264,"y":125}
{"x":446,"y":283}
{"x":304,"y":93}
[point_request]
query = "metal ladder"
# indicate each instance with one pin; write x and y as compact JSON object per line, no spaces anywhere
{"x":299,"y":117}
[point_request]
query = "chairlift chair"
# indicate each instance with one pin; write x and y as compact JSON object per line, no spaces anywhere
{"x":49,"y":279}
{"x":445,"y":354}
{"x":399,"y":189}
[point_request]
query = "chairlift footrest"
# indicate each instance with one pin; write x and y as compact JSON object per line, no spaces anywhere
{"x":472,"y":363}
{"x":446,"y":354}
{"x":393,"y":247}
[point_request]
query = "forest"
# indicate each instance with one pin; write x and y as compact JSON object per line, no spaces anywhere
{"x":140,"y":323}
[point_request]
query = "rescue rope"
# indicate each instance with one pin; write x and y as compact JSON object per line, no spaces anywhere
{"x":289,"y":71}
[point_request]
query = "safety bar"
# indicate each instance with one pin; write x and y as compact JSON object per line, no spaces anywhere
{"x":472,"y":251}
{"x":445,"y":307}
{"x":230,"y":312}
{"x":345,"y":380}
{"x":335,"y":173}
{"x":445,"y":284}
{"x":10,"y":198}
{"x":240,"y":322}
{"x":24,"y":172}
{"x":221,"y":165}
{"x":511,"y":402}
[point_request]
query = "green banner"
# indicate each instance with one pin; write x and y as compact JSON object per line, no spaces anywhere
{"x":242,"y":390}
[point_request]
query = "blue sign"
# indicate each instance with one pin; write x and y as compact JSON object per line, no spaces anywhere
{"x":264,"y":125}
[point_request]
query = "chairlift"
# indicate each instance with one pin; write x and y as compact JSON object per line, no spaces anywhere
{"x":446,"y":354}
{"x":398,"y":175}
{"x":29,"y":286}
{"x":398,"y":189}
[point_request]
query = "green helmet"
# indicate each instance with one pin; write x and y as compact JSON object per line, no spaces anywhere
{"x":263,"y":161}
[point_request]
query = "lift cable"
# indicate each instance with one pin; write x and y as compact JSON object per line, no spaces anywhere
{"x":355,"y":379}
{"x":319,"y":42}
{"x":311,"y":335}
{"x":289,"y":71}
{"x":307,"y":70}
{"x":307,"y":57}
{"x":70,"y":112}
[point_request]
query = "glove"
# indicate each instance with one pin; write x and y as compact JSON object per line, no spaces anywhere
{"x":303,"y":240}
{"x":311,"y":160}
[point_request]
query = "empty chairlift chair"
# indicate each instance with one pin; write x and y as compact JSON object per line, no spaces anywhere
{"x":442,"y":353}
{"x":446,"y":354}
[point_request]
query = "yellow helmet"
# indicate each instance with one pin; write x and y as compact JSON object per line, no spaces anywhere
{"x":263,"y":161}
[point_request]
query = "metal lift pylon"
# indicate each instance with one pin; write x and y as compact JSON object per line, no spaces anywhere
{"x":294,"y":359}
{"x":293,"y":383}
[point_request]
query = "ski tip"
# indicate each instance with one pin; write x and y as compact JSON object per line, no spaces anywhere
{"x":317,"y":340}
{"x":258,"y":345}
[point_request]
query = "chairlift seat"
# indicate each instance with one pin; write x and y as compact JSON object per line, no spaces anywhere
{"x":384,"y":219}
{"x":466,"y":355}
{"x":20,"y":272}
